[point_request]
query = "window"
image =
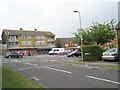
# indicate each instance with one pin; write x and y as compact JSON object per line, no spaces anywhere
{"x":40,"y":37}
{"x":26,"y":36}
{"x":26,"y":43}
{"x":76,"y":44}
{"x":12,"y":37}
{"x":40,"y":42}
{"x":66,"y":45}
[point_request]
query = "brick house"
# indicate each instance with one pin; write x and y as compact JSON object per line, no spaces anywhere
{"x":36,"y":42}
{"x":67,"y":43}
{"x":118,"y":33}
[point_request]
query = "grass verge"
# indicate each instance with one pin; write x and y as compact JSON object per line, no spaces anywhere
{"x":112,"y":66}
{"x":75,"y":63}
{"x":12,"y":79}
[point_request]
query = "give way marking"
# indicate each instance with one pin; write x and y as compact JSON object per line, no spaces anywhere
{"x":103,"y":79}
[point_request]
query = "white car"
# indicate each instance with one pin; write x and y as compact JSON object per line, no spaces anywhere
{"x":110,"y":54}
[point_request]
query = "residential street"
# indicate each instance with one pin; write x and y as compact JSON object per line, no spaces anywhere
{"x":53,"y":72}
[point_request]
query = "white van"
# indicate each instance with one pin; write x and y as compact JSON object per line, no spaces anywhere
{"x":55,"y":51}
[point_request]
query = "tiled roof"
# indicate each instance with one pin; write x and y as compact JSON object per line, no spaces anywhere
{"x":65,"y":40}
{"x":27,"y":32}
{"x":118,"y":26}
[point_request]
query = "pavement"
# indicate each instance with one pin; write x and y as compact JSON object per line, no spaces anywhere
{"x":95,"y":64}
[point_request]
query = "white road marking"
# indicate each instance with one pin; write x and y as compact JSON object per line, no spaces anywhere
{"x":10,"y":61}
{"x":16,"y":61}
{"x":58,"y":69}
{"x":103,"y":79}
{"x":29,"y":63}
{"x":28,"y":68}
{"x":35,"y":64}
{"x":34,"y":78}
{"x":20,"y":69}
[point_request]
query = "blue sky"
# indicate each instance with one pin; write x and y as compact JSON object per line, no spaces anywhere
{"x":56,"y":16}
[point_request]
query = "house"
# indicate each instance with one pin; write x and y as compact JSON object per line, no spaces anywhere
{"x":67,"y":43}
{"x":118,"y":34}
{"x":34,"y":42}
{"x":112,"y":43}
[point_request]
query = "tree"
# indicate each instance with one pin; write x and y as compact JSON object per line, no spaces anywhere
{"x":85,"y":35}
{"x":97,"y":33}
{"x":58,"y":44}
{"x":102,"y":33}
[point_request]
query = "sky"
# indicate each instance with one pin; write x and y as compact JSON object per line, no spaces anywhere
{"x":56,"y":16}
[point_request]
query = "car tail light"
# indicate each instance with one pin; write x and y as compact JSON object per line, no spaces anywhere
{"x":113,"y":54}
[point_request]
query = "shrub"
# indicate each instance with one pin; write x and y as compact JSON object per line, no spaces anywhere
{"x":92,"y":52}
{"x":103,"y":49}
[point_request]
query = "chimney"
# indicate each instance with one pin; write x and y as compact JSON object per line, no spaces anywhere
{"x":35,"y":29}
{"x":21,"y":29}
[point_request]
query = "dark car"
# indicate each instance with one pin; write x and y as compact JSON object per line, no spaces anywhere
{"x":74,"y":53}
{"x":13,"y":55}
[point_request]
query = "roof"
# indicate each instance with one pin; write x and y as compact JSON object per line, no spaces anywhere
{"x":118,"y":26}
{"x":27,"y":32}
{"x":64,"y":40}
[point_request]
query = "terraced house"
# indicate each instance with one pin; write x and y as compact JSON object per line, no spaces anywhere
{"x":34,"y":42}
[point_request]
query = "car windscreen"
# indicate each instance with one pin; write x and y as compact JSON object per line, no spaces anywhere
{"x":8,"y":52}
{"x":111,"y":50}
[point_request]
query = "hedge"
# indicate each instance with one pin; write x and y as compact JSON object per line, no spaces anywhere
{"x":92,"y":52}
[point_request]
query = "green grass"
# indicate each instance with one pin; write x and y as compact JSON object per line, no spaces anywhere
{"x":12,"y":79}
{"x":0,"y":77}
{"x":112,"y":66}
{"x":75,"y":62}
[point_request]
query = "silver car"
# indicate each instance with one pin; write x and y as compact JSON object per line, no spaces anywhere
{"x":110,"y":54}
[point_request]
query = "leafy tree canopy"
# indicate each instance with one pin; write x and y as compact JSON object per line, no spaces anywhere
{"x":97,"y":33}
{"x":58,"y":44}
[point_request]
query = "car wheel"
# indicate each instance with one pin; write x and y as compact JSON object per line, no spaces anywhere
{"x":9,"y":56}
{"x":20,"y":56}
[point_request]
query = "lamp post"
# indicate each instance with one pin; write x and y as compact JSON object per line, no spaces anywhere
{"x":81,"y":34}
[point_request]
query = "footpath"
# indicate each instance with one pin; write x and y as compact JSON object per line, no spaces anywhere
{"x":107,"y":65}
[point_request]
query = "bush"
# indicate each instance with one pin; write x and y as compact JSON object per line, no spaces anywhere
{"x":92,"y":52}
{"x":103,"y":50}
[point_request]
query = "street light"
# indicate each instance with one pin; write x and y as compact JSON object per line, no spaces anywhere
{"x":81,"y":33}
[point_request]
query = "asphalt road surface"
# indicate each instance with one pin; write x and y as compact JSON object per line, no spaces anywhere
{"x":51,"y":72}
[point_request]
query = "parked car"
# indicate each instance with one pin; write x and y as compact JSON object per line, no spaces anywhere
{"x":110,"y":54}
{"x":56,"y":51}
{"x":13,"y":55}
{"x":74,"y":53}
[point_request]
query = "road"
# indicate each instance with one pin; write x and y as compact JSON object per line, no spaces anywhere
{"x":51,"y":72}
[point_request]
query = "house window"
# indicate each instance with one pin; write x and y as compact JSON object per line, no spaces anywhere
{"x":40,"y":42}
{"x":12,"y":37}
{"x":40,"y":37}
{"x":26,"y":42}
{"x":26,"y":36}
{"x":66,"y":45}
{"x":76,"y":44}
